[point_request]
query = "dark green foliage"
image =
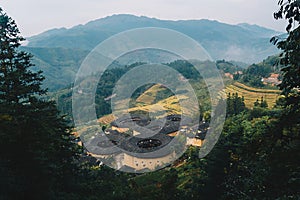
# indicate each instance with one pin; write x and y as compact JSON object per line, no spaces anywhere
{"x":235,"y":104}
{"x":161,"y":95}
{"x":227,"y":67}
{"x":257,"y":70}
{"x":36,"y":155}
{"x":290,"y":60}
{"x":290,"y":10}
{"x":101,"y":183}
{"x":253,"y":75}
{"x":244,"y":176}
{"x":186,"y":69}
{"x":264,"y":164}
{"x":262,"y":103}
{"x":256,"y":161}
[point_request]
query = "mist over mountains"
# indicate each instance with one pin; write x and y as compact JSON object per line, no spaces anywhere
{"x":59,"y":52}
{"x":242,"y":42}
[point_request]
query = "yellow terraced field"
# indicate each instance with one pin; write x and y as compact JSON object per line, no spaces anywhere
{"x":171,"y":104}
{"x":146,"y":103}
{"x":252,"y":94}
{"x":240,"y":85}
{"x":106,"y":119}
{"x":149,"y":96}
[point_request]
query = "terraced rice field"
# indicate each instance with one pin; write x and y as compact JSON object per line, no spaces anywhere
{"x":171,"y":105}
{"x":149,"y":96}
{"x":106,"y":119}
{"x":146,"y":102}
{"x":162,"y":108}
{"x":252,"y":94}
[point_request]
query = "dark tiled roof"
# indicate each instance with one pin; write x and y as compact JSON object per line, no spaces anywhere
{"x":134,"y":143}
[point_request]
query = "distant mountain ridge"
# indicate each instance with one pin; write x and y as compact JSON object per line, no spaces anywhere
{"x":59,"y":52}
{"x":242,"y":42}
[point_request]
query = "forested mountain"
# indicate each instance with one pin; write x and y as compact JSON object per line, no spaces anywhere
{"x":59,"y":65}
{"x":59,"y":52}
{"x":243,"y":42}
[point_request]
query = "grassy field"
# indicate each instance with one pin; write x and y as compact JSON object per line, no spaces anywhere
{"x":252,"y":94}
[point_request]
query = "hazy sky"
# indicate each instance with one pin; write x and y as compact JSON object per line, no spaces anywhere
{"x":36,"y":16}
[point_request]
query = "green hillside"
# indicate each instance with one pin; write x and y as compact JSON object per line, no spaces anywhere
{"x":59,"y":52}
{"x":59,"y":65}
{"x":246,"y":43}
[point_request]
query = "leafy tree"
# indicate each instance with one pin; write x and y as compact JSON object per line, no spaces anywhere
{"x":263,"y":103}
{"x":253,"y":74}
{"x":235,"y":104}
{"x":289,"y":124}
{"x":256,"y":103}
{"x":290,"y":10}
{"x":36,"y":151}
